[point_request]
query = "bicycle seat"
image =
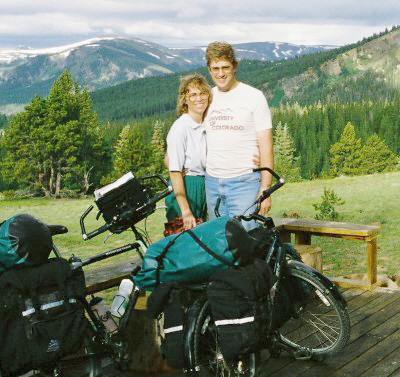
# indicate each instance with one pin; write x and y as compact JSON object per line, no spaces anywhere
{"x":57,"y":229}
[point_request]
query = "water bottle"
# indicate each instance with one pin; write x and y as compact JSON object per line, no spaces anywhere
{"x":102,"y":312}
{"x":121,"y":299}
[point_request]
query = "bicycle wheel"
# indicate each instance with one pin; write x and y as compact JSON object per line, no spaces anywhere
{"x":208,"y":356}
{"x":319,"y":322}
{"x":86,"y":362}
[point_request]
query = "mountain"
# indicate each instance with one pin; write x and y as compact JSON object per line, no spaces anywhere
{"x":94,"y":63}
{"x":104,"y":62}
{"x":263,"y":51}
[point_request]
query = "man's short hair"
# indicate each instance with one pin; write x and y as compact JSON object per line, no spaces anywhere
{"x":221,"y":51}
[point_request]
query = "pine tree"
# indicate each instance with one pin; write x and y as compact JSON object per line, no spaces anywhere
{"x":24,"y":163}
{"x":286,"y":164}
{"x":55,"y":143}
{"x":345,"y":157}
{"x":122,"y":151}
{"x":132,"y":152}
{"x":158,"y":147}
{"x":377,"y":157}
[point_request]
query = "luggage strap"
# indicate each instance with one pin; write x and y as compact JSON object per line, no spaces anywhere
{"x":208,"y":250}
{"x":160,"y":258}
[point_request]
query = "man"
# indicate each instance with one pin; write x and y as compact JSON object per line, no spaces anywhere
{"x":238,"y":126}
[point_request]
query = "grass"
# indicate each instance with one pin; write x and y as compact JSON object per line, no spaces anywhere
{"x":368,"y":199}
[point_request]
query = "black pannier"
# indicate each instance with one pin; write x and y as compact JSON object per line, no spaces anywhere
{"x":173,"y":301}
{"x":239,"y":302}
{"x":42,"y":318}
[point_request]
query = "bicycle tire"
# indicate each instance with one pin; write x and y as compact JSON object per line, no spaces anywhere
{"x":208,"y":357}
{"x":320,"y":323}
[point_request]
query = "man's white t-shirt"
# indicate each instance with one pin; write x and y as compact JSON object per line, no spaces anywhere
{"x":233,"y":119}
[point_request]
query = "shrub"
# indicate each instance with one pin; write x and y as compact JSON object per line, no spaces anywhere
{"x":326,"y":209}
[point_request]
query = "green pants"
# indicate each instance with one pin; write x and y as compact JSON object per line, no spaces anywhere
{"x":196,"y":195}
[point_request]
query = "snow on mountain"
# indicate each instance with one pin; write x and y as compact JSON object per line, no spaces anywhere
{"x":106,"y":61}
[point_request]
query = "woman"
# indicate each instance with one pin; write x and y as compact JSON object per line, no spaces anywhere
{"x":186,"y":156}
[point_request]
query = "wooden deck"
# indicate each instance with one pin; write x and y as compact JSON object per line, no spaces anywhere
{"x":374,"y":347}
{"x":373,"y":350}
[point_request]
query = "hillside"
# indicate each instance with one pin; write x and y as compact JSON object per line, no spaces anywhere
{"x":104,"y":62}
{"x":367,"y":70}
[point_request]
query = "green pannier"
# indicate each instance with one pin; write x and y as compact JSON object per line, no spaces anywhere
{"x":23,"y":240}
{"x":194,"y":255}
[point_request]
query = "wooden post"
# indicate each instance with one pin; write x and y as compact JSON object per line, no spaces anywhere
{"x":285,"y":236}
{"x":144,"y":344}
{"x":302,"y":238}
{"x":371,"y":260}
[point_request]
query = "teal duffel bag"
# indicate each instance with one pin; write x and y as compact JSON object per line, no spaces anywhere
{"x":192,"y":256}
{"x":24,"y":240}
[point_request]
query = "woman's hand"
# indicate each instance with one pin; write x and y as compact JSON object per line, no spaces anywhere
{"x":189,"y":221}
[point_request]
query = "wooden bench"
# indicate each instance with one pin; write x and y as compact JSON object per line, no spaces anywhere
{"x":100,"y":279}
{"x":303,"y":229}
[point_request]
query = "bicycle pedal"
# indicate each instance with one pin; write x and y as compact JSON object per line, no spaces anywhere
{"x":302,"y":354}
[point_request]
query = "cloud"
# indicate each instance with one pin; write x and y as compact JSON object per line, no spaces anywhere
{"x":43,"y":24}
{"x":185,"y":23}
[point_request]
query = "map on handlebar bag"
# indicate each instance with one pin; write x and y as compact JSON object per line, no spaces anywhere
{"x":99,"y":193}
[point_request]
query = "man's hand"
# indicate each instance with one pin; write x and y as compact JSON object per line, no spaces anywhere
{"x":265,"y":205}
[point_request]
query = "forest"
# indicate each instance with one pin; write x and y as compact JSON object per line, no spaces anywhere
{"x":103,"y":134}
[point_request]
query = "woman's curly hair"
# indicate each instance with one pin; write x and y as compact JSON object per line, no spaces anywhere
{"x":195,"y":79}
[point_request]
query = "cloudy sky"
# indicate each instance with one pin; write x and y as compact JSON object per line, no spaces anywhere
{"x":185,"y":23}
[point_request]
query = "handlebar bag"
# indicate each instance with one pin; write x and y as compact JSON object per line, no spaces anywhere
{"x":239,"y":303}
{"x":125,"y":195}
{"x":23,"y":240}
{"x":41,"y":316}
{"x":192,"y":256}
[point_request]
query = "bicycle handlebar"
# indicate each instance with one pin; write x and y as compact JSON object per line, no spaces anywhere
{"x":265,"y":194}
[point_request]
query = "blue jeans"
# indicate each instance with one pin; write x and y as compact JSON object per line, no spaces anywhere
{"x":237,"y":195}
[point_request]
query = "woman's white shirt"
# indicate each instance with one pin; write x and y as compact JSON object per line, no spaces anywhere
{"x":186,"y":146}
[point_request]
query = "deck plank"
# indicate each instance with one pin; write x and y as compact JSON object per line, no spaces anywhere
{"x":378,"y":352}
{"x":374,"y":320}
{"x":387,"y":366}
